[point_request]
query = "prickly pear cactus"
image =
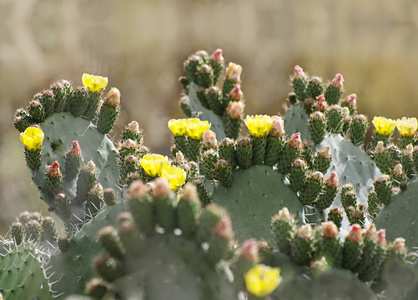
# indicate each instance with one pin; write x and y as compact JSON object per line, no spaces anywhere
{"x":73,"y":128}
{"x":23,"y":275}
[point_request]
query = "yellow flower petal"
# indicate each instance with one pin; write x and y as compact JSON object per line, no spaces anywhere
{"x":262,"y":280}
{"x":384,"y":126}
{"x":259,"y":125}
{"x":196,"y":128}
{"x":407,"y":126}
{"x":153,"y":164}
{"x":178,"y":126}
{"x":32,"y":138}
{"x":175,"y":176}
{"x":95,"y":84}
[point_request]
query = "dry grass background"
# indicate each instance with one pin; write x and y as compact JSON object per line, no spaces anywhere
{"x":141,"y":45}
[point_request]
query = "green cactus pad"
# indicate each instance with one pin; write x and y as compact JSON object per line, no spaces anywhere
{"x":22,"y":275}
{"x":73,"y":269}
{"x":256,"y":194}
{"x":296,"y":120}
{"x":217,"y":124}
{"x":60,"y":130}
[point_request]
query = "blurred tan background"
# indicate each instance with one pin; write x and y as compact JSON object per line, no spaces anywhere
{"x":141,"y":46}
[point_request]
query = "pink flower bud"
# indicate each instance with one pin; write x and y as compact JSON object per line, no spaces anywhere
{"x":75,"y":151}
{"x":137,"y":189}
{"x":338,"y":81}
{"x":329,"y":229}
{"x":233,"y":73}
{"x":277,"y":128}
{"x":295,"y":141}
{"x":113,"y":98}
{"x":235,"y":110}
{"x":298,"y":72}
{"x":224,"y":228}
{"x":161,"y":187}
{"x":217,"y":56}
{"x":332,"y":180}
{"x":381,"y":237}
{"x":321,"y":103}
{"x":249,"y":250}
{"x":370,"y":232}
{"x":209,"y":139}
{"x":355,"y":235}
{"x":54,"y":170}
{"x":236,"y":93}
{"x":351,"y":100}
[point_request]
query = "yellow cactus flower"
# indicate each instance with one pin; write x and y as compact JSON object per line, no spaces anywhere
{"x":196,"y":128}
{"x":153,"y":164}
{"x":258,"y":125}
{"x":262,"y":280}
{"x":178,"y":126}
{"x":407,"y":126}
{"x":175,"y":176}
{"x":95,"y":84}
{"x":32,"y":138}
{"x":384,"y":126}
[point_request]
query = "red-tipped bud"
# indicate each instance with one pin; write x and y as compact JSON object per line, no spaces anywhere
{"x":249,"y":250}
{"x":355,"y":235}
{"x":209,"y":139}
{"x":224,"y":228}
{"x":235,"y":110}
{"x":137,"y":189}
{"x":277,"y":128}
{"x":332,"y":180}
{"x":329,"y":230}
{"x":113,"y":98}
{"x":161,"y":187}
{"x":338,"y":81}
{"x":54,"y":170}
{"x":236,"y":93}
{"x":295,"y":141}
{"x":298,"y":72}
{"x":381,"y":237}
{"x":75,"y":150}
{"x":351,"y":100}
{"x":321,"y":103}
{"x":217,"y":56}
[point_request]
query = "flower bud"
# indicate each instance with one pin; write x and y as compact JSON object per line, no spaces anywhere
{"x":235,"y":110}
{"x":351,"y":100}
{"x":354,"y":235}
{"x":305,"y":232}
{"x":75,"y":150}
{"x":113,"y":98}
{"x":133,"y":127}
{"x":332,"y":180}
{"x":54,"y":170}
{"x":321,"y":103}
{"x":209,"y":139}
{"x":162,"y":187}
{"x":249,"y":250}
{"x":224,"y":228}
{"x":277,"y":128}
{"x":329,"y":230}
{"x":236,"y":93}
{"x":381,"y":237}
{"x":233,"y":73}
{"x":137,"y":189}
{"x":298,"y":72}
{"x":338,"y":81}
{"x":295,"y":141}
{"x":217,"y":56}
{"x":370,"y":232}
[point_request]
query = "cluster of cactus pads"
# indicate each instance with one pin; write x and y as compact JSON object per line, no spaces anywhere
{"x":297,"y":210}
